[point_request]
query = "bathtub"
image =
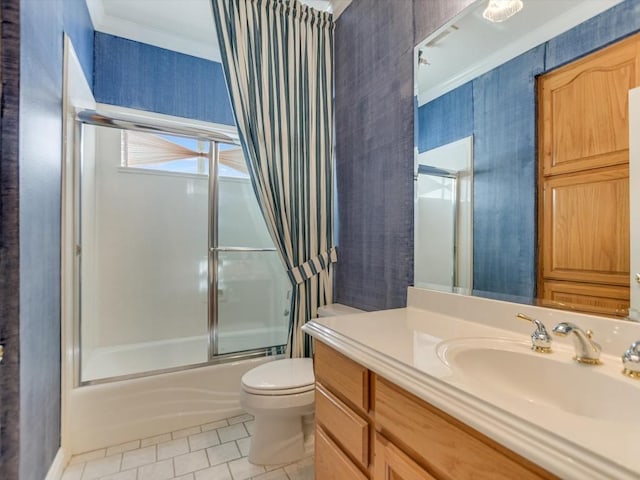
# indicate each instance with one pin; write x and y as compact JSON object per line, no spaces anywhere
{"x":134,"y":358}
{"x":116,"y":412}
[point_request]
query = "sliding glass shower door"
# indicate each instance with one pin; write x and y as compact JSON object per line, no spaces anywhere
{"x":174,"y":263}
{"x":252,"y":289}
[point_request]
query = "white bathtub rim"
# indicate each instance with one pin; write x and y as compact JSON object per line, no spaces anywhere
{"x":113,"y":413}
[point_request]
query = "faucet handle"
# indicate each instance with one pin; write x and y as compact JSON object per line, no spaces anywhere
{"x":631,"y":360}
{"x":540,"y":338}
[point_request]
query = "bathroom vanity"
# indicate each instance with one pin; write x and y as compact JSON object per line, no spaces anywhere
{"x":449,"y":388}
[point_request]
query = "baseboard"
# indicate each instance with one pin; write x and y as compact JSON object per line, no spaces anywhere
{"x":57,"y":467}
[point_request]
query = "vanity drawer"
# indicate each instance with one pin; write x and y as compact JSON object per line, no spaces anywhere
{"x":348,"y":429}
{"x":342,"y":376}
{"x":450,"y":450}
{"x":331,"y":463}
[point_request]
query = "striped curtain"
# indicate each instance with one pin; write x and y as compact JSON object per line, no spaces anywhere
{"x":277,"y":58}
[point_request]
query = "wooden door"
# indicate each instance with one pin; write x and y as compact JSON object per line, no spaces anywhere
{"x":584,"y":180}
{"x":392,"y":464}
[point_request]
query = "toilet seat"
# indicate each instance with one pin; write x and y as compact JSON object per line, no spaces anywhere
{"x":281,"y":377}
{"x":289,"y":391}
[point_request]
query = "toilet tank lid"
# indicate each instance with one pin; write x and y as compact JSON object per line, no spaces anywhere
{"x":336,"y":309}
{"x":280,"y":375}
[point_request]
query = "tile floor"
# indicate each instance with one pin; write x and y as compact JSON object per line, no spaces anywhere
{"x":214,"y":451}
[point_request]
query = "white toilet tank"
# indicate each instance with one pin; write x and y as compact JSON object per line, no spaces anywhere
{"x":337,"y":309}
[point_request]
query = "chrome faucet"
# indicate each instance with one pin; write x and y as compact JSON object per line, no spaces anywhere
{"x":631,"y":360}
{"x":587,"y":351}
{"x":540,"y":338}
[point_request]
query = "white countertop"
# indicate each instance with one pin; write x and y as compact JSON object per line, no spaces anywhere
{"x":406,"y":346}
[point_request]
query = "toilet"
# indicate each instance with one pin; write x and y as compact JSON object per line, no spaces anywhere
{"x":280,"y":395}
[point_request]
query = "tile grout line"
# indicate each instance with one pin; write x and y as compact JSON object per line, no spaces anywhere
{"x":187,"y":439}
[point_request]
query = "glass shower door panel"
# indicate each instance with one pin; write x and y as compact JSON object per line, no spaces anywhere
{"x":435,"y":212}
{"x":253,"y":296}
{"x":253,"y":301}
{"x":144,"y":264}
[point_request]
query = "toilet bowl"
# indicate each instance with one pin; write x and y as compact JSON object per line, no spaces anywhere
{"x":280,"y":395}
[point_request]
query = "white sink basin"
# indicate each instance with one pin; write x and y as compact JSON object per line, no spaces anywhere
{"x":499,"y":368}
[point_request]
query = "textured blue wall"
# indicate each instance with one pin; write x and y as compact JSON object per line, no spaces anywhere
{"x":374,"y":152}
{"x":504,"y":182}
{"x":41,"y":60}
{"x":614,"y":24}
{"x":446,"y":119}
{"x":137,"y":75}
{"x":10,"y":239}
{"x":504,"y":125}
{"x":77,"y":24}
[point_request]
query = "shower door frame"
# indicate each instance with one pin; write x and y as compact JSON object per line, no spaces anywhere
{"x":214,"y":138}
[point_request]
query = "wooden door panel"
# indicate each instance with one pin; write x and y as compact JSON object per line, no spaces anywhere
{"x":586,"y":225}
{"x":583,"y":202}
{"x":585,"y":110}
{"x":585,"y":297}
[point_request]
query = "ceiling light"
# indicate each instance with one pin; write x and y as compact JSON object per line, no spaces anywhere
{"x":500,"y":10}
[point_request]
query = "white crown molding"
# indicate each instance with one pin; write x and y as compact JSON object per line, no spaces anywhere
{"x":139,"y":32}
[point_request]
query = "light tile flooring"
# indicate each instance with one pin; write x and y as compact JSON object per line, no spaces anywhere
{"x":214,"y":451}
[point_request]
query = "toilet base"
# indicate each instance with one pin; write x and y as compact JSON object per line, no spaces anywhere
{"x":277,"y":440}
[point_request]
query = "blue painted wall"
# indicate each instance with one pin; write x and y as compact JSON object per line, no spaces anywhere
{"x":504,"y":183}
{"x":446,"y":119}
{"x":502,"y":105}
{"x":141,"y":76}
{"x":40,"y":143}
{"x":597,"y":32}
{"x":77,"y":24}
{"x":374,"y":154}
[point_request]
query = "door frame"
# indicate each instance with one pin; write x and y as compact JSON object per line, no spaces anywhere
{"x":634,"y":199}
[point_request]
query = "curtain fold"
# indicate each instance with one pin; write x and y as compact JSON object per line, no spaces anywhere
{"x":277,"y":58}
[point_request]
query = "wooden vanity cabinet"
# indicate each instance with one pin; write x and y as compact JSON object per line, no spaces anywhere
{"x":343,"y":423}
{"x":369,"y":428}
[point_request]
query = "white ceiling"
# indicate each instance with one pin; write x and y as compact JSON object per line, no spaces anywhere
{"x":185,"y":26}
{"x":469,"y":45}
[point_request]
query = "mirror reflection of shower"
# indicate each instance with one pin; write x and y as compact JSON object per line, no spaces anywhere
{"x":443,"y":256}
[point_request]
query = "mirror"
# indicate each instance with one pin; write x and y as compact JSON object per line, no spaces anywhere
{"x":479,"y":80}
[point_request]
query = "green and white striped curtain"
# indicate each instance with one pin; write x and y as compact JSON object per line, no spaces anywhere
{"x":277,"y":58}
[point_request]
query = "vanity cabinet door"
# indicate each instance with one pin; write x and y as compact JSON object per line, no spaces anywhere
{"x":451,"y":450}
{"x":392,"y":464}
{"x":331,"y":463}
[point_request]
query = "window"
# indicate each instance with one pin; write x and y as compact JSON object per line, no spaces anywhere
{"x":176,"y":154}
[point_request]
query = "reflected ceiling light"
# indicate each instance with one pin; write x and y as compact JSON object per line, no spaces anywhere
{"x":500,"y":10}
